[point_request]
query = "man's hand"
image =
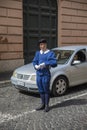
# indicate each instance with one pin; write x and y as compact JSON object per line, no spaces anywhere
{"x":37,"y":67}
{"x":42,"y":65}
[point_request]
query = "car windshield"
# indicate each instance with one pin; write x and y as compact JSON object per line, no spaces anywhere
{"x":63,"y":56}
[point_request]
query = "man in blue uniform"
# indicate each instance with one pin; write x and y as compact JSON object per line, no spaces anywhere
{"x":43,"y":60}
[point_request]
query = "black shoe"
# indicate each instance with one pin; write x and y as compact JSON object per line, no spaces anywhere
{"x":41,"y":107}
{"x":46,"y":108}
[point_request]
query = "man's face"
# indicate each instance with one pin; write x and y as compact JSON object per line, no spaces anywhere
{"x":43,"y":46}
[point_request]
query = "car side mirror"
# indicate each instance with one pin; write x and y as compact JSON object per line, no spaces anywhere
{"x":75,"y":62}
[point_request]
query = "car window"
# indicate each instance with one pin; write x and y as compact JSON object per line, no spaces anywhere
{"x":63,"y":56}
{"x":80,"y":55}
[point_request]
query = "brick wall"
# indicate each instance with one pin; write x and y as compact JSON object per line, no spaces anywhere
{"x":73,"y":28}
{"x":11,"y":34}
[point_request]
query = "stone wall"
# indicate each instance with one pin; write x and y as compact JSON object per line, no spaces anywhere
{"x":72,"y":29}
{"x":11,"y":35}
{"x":73,"y":22}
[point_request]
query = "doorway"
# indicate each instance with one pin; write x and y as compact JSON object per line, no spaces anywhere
{"x":39,"y":21}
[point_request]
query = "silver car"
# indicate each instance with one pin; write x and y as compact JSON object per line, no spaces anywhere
{"x":71,"y":70}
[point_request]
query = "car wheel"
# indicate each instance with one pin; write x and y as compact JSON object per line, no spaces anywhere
{"x":60,"y":86}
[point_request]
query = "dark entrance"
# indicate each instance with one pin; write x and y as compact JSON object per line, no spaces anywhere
{"x":39,"y":21}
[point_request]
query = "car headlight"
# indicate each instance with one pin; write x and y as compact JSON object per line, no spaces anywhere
{"x":15,"y":74}
{"x":33,"y":78}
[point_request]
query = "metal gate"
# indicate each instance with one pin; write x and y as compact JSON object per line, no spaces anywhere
{"x":39,"y":21}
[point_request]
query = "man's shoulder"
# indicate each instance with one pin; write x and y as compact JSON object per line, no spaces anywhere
{"x":51,"y":51}
{"x":37,"y":52}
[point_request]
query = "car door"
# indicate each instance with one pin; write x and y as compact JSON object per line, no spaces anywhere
{"x":78,"y":71}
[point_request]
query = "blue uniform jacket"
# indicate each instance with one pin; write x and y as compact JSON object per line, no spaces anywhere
{"x":48,"y":58}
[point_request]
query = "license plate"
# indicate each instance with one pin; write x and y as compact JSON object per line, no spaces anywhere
{"x":20,"y":83}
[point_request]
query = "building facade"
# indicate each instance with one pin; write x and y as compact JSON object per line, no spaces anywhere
{"x":63,"y":22}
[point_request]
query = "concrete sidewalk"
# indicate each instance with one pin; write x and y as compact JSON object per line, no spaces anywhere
{"x":5,"y":77}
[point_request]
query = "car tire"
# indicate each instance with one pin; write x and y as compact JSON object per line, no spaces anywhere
{"x":60,"y":86}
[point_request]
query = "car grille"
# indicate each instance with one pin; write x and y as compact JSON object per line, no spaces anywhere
{"x":21,"y":76}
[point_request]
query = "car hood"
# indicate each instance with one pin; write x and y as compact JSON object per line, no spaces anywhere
{"x":29,"y":69}
{"x":26,"y":69}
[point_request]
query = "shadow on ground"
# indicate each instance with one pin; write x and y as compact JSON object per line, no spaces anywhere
{"x":70,"y":103}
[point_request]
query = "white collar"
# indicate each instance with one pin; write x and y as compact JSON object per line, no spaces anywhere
{"x":41,"y":52}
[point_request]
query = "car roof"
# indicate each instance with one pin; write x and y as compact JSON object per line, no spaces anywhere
{"x":73,"y":47}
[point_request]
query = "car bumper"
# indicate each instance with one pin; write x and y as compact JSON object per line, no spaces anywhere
{"x":24,"y":85}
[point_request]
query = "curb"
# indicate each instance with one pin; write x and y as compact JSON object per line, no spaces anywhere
{"x":5,"y":83}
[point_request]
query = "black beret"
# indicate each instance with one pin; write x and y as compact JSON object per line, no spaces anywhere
{"x":42,"y":41}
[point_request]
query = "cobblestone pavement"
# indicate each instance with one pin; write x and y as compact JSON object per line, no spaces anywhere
{"x":17,"y":110}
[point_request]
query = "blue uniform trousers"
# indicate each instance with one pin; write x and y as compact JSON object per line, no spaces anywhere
{"x":43,"y":83}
